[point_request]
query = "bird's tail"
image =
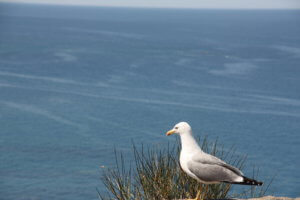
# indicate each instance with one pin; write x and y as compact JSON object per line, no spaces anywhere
{"x":248,"y":181}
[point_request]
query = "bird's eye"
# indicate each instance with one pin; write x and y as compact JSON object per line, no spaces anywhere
{"x":176,"y":127}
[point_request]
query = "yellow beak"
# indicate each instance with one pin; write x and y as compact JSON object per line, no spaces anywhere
{"x":170,"y":132}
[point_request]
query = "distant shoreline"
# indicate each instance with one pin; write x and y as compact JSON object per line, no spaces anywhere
{"x":151,"y":7}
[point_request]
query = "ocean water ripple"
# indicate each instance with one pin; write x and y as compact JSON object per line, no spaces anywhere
{"x":74,"y":87}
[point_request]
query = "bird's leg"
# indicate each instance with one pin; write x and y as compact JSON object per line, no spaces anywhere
{"x":206,"y":191}
{"x":198,"y":196}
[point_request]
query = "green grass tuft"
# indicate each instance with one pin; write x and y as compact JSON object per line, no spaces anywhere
{"x":157,"y":175}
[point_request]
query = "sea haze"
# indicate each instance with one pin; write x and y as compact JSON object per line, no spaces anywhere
{"x":77,"y":82}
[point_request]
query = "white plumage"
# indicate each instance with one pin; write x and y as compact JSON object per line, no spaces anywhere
{"x":204,"y":167}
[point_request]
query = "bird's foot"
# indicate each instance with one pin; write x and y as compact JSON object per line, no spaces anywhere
{"x":198,"y":197}
{"x":195,"y":199}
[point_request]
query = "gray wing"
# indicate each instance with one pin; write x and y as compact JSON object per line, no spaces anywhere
{"x":209,"y":168}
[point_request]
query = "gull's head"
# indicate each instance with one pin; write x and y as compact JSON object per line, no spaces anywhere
{"x":180,"y":128}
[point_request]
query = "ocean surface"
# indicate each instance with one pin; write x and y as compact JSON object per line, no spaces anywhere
{"x":77,"y":82}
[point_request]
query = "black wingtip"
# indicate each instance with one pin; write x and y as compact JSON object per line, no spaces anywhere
{"x":249,"y":181}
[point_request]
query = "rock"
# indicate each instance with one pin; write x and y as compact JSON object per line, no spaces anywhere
{"x":261,"y":198}
{"x":274,"y":198}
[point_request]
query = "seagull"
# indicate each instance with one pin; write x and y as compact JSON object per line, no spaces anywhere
{"x":203,"y":167}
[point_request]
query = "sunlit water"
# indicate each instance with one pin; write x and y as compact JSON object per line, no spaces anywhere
{"x":77,"y":82}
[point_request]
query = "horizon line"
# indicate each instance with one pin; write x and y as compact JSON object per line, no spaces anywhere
{"x":147,"y":6}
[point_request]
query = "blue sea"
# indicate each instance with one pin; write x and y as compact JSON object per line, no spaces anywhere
{"x":77,"y":82}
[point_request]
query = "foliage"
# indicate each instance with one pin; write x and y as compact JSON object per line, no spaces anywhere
{"x":157,"y":175}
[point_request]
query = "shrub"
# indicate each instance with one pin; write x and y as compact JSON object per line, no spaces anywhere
{"x":157,"y":175}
